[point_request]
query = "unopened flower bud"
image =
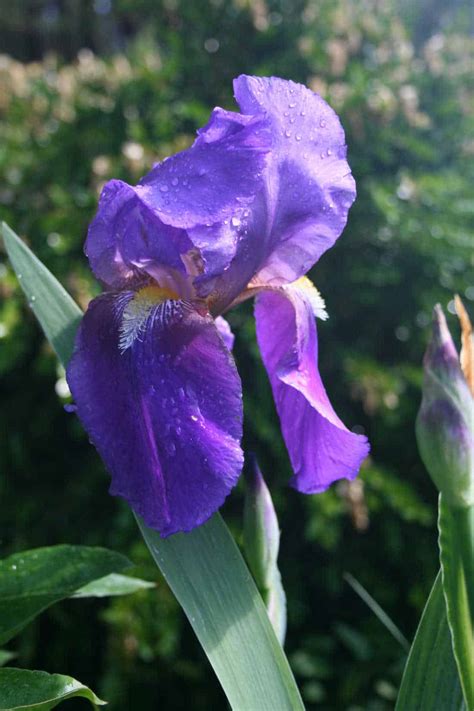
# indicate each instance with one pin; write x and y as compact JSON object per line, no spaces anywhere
{"x":445,"y":423}
{"x":261,"y":531}
{"x":261,"y":544}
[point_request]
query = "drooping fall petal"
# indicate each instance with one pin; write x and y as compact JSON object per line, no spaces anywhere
{"x":162,"y":404}
{"x":321,"y":448}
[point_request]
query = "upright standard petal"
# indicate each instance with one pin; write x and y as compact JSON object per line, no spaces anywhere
{"x":305,"y":195}
{"x":160,"y":397}
{"x":308,"y":183}
{"x":180,"y":215}
{"x":321,"y":449}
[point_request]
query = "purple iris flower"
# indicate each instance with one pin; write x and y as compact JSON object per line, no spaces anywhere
{"x":245,"y":211}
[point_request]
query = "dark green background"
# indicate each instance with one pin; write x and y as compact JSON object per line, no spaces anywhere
{"x":97,"y":90}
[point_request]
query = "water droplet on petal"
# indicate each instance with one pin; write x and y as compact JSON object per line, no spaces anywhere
{"x":329,"y":152}
{"x":175,"y":182}
{"x":288,"y":134}
{"x":291,"y":105}
{"x":322,"y":123}
{"x":298,"y":137}
{"x":164,"y":188}
{"x":235,"y":222}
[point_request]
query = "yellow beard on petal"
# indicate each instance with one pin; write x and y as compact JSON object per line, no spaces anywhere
{"x":138,"y":309}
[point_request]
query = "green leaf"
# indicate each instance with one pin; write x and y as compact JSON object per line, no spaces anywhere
{"x":456,"y":544}
{"x":24,"y":689}
{"x":204,"y":568}
{"x":113,"y":584}
{"x":206,"y":572}
{"x":56,"y":311}
{"x":6,"y":656}
{"x":33,"y":580}
{"x":430,"y":680}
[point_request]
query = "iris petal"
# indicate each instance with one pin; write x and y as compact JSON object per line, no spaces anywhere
{"x":308,"y":183}
{"x":305,"y":194}
{"x":165,"y":412}
{"x":321,"y":448}
{"x":186,"y":203}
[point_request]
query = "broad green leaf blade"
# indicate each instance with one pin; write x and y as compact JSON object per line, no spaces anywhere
{"x":24,"y":689}
{"x":33,"y":580}
{"x":204,"y":568}
{"x":56,"y":311}
{"x":113,"y":584}
{"x":206,"y":572}
{"x":430,"y":680}
{"x":456,"y":545}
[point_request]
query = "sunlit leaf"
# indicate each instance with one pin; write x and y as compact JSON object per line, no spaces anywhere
{"x":24,"y":689}
{"x":33,"y":580}
{"x":113,"y":584}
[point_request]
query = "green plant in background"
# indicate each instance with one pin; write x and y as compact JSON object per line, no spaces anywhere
{"x":30,"y":582}
{"x":404,"y":96}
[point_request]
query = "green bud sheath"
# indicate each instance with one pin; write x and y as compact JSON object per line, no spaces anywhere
{"x":261,"y":544}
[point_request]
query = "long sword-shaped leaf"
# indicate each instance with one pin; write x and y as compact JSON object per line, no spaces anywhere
{"x":211,"y":581}
{"x":56,"y":311}
{"x":430,"y":681}
{"x":204,"y":568}
{"x":456,"y":547}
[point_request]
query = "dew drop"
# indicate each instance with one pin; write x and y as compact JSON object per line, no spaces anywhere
{"x":288,"y":134}
{"x":164,"y":188}
{"x":175,"y":182}
{"x":13,"y":567}
{"x":235,"y":222}
{"x":322,"y":123}
{"x":194,"y":418}
{"x":323,"y":155}
{"x":329,"y":152}
{"x":291,"y":105}
{"x":298,"y":137}
{"x":302,"y":113}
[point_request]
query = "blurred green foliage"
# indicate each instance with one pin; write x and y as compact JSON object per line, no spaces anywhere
{"x":129,"y":83}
